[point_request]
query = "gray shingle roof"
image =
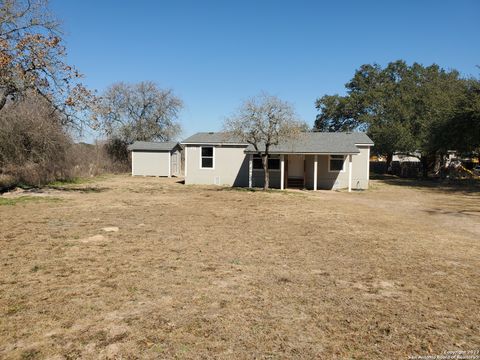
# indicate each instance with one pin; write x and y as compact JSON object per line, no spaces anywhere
{"x":211,"y":138}
{"x":153,"y":146}
{"x":309,"y":142}
{"x":321,"y":142}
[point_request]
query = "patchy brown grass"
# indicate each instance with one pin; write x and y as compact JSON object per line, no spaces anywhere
{"x":199,"y":272}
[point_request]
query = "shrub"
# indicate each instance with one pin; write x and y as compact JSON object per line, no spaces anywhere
{"x":36,"y":148}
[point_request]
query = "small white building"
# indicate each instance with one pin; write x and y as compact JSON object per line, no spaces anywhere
{"x":156,"y":158}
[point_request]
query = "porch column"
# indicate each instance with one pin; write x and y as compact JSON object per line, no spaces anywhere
{"x":315,"y":175}
{"x":250,"y":170}
{"x":282,"y":172}
{"x":350,"y":173}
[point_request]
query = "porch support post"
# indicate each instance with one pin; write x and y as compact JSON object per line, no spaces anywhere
{"x":250,"y":170}
{"x":315,"y":175}
{"x":350,"y":173}
{"x":282,"y":172}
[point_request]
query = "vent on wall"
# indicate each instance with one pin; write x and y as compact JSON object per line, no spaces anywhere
{"x":216,"y":180}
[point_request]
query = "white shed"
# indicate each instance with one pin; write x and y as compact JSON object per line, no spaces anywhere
{"x":156,"y":158}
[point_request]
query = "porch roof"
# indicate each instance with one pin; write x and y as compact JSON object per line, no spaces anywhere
{"x":320,"y":143}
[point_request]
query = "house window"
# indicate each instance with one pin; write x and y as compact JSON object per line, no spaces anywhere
{"x":273,"y":162}
{"x":336,"y":163}
{"x":206,"y":161}
{"x":257,"y":162}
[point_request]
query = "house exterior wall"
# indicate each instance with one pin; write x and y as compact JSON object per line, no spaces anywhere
{"x":231,"y":169}
{"x":150,"y":163}
{"x":230,"y":166}
{"x":339,"y":180}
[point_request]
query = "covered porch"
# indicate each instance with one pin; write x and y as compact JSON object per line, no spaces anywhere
{"x":303,"y":171}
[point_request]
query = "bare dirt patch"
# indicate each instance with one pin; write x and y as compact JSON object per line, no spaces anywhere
{"x":202,"y":272}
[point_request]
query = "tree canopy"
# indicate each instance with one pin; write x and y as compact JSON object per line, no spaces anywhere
{"x":138,"y":112}
{"x":264,"y":121}
{"x":32,"y":59}
{"x":406,"y":108}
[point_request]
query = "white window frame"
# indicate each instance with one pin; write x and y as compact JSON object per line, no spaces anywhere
{"x":343,"y":167}
{"x":269,"y":156}
{"x":213,"y":157}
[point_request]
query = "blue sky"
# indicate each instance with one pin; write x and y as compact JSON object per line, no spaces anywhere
{"x":214,"y":54}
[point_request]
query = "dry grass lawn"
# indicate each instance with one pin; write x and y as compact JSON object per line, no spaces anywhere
{"x":149,"y":268}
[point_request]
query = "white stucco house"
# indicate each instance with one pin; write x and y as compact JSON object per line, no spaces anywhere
{"x":156,"y":158}
{"x":313,"y":160}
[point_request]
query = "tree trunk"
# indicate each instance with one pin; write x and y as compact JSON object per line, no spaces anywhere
{"x":3,"y":101}
{"x":266,"y":183}
{"x":424,"y":161}
{"x":388,"y":162}
{"x":443,"y":166}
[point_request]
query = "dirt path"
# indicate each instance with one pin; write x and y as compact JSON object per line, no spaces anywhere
{"x":150,"y":268}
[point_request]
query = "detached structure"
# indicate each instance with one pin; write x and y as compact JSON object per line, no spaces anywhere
{"x":313,"y":160}
{"x":156,"y":158}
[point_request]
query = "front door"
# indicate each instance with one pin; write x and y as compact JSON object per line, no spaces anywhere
{"x":295,"y":166}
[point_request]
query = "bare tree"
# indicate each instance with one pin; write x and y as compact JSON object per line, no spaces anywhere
{"x":33,"y":142}
{"x":143,"y":112}
{"x":264,"y":121}
{"x":32,"y":58}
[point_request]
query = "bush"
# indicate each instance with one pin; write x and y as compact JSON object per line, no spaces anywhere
{"x":93,"y":159}
{"x":35,"y":148}
{"x":33,"y":142}
{"x":117,"y":149}
{"x":7,"y":182}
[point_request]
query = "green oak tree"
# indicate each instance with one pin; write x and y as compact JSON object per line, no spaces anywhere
{"x":404,"y":108}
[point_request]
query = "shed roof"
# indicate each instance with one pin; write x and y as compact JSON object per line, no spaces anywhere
{"x":152,"y":146}
{"x":308,"y":142}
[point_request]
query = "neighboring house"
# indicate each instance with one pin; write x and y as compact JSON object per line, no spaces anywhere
{"x":156,"y":158}
{"x":402,"y":158}
{"x":313,"y":160}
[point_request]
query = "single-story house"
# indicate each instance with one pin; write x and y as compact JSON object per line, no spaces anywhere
{"x":156,"y":158}
{"x":312,"y":160}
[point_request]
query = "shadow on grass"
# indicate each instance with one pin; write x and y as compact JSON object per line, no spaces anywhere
{"x":464,"y":212}
{"x":465,"y":186}
{"x":87,"y":189}
{"x":260,"y":190}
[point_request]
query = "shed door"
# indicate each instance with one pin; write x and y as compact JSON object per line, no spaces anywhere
{"x":175,"y":163}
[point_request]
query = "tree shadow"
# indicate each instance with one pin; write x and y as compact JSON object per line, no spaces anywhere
{"x":464,"y":212}
{"x":88,"y":189}
{"x":465,"y":186}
